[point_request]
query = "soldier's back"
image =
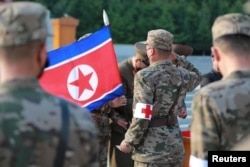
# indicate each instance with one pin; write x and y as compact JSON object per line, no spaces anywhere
{"x":228,"y":100}
{"x":30,"y":127}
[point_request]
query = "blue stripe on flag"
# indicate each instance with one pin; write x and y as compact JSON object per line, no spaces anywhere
{"x":76,"y":48}
{"x":93,"y":105}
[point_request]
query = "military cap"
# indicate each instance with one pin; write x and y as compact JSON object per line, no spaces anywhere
{"x":160,"y":39}
{"x":231,"y":24}
{"x":141,"y":52}
{"x":22,"y":22}
{"x":181,"y":49}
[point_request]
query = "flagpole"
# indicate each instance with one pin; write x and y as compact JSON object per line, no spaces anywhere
{"x":105,"y":18}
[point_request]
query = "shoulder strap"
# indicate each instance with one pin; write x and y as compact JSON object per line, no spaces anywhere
{"x":62,"y":146}
{"x":171,"y":110}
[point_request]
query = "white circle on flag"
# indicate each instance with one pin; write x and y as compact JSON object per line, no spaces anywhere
{"x":82,"y":82}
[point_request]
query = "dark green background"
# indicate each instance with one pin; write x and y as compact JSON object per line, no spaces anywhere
{"x":189,"y":20}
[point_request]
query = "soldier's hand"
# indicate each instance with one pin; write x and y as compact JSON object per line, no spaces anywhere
{"x":122,"y":123}
{"x":118,"y":102}
{"x":124,"y":148}
{"x":182,"y":113}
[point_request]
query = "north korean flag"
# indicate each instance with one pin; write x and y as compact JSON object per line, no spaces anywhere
{"x":84,"y":72}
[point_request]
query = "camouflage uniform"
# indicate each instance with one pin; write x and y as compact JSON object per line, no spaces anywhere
{"x":30,"y":128}
{"x":184,"y":51}
{"x":220,"y":110}
{"x":101,"y":117}
{"x":220,"y":114}
{"x":30,"y":118}
{"x":157,"y":85}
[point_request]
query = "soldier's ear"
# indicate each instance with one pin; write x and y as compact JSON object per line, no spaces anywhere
{"x":43,"y":54}
{"x":216,"y":53}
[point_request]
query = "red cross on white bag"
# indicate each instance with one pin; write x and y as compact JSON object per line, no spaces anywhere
{"x":143,"y":111}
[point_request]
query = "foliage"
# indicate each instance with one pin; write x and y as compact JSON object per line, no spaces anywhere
{"x":189,"y":21}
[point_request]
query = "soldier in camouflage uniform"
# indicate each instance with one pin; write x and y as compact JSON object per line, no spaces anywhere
{"x":154,"y":135}
{"x":220,"y":110}
{"x":30,"y":118}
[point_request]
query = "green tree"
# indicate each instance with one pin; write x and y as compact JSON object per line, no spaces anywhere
{"x":190,"y":21}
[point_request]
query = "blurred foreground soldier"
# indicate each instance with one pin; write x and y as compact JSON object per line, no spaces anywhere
{"x":220,"y":110}
{"x":243,"y":144}
{"x":154,"y":135}
{"x":128,"y":68}
{"x":36,"y":128}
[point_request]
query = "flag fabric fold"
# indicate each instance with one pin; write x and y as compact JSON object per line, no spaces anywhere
{"x":84,"y":72}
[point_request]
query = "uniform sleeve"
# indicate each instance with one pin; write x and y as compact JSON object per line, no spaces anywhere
{"x":142,"y":94}
{"x":205,"y":129}
{"x":191,"y":79}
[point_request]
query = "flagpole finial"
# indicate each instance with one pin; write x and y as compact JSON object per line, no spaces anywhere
{"x":105,"y":18}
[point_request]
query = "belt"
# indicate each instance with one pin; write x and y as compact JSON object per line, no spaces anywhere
{"x":168,"y":121}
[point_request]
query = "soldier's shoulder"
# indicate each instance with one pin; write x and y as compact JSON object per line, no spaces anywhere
{"x":81,"y":117}
{"x":222,"y":87}
{"x":147,"y":71}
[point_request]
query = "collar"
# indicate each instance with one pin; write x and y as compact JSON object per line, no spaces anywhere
{"x":19,"y":83}
{"x":238,"y":74}
{"x":162,"y":62}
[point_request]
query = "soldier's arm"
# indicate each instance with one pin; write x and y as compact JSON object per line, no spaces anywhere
{"x":139,"y":126}
{"x":205,"y":128}
{"x":193,"y":78}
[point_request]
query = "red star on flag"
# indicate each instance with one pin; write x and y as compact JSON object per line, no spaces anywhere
{"x":82,"y":82}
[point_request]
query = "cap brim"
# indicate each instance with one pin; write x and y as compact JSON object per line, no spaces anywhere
{"x":181,"y":49}
{"x":141,"y":46}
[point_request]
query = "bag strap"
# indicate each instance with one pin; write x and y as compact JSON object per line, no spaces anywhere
{"x":62,"y":146}
{"x":171,"y":110}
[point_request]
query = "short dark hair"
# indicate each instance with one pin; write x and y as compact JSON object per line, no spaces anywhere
{"x":237,"y":43}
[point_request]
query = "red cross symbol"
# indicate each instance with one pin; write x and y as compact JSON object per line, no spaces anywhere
{"x":147,"y":111}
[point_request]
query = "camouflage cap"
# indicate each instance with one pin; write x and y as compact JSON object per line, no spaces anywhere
{"x":229,"y":24}
{"x":141,"y":52}
{"x":160,"y":39}
{"x":22,"y":22}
